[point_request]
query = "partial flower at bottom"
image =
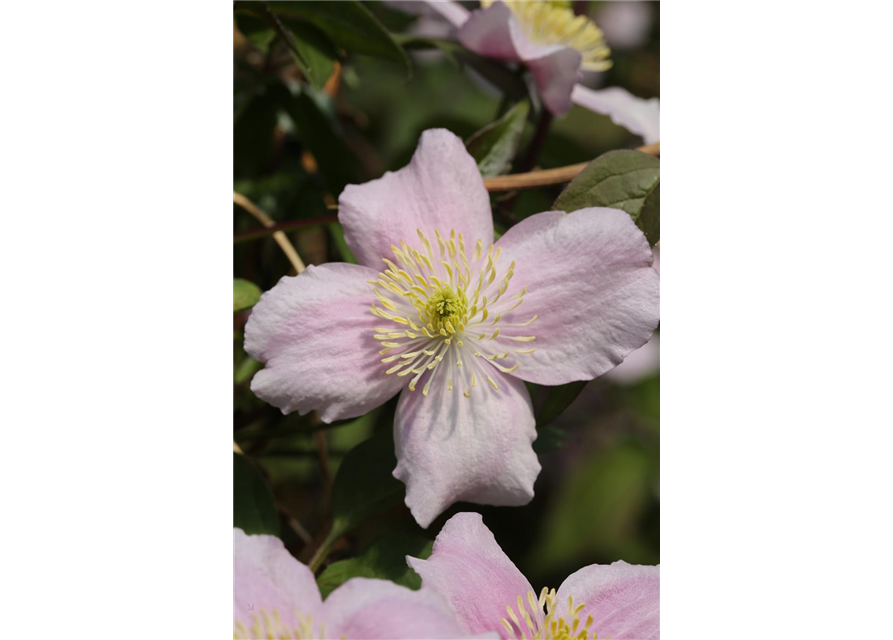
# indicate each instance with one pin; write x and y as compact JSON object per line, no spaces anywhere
{"x":455,"y":322}
{"x":275,"y":596}
{"x":487,"y":592}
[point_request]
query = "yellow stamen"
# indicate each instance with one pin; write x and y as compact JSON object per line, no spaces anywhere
{"x":554,"y":23}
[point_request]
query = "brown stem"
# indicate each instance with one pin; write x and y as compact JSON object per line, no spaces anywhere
{"x":279,"y":236}
{"x":255,"y":234}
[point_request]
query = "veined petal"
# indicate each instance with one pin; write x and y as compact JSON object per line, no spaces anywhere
{"x":452,"y":11}
{"x":477,"y":449}
{"x":638,"y":115}
{"x":269,"y":581}
{"x":623,"y":599}
{"x":315,"y":334}
{"x":440,"y":189}
{"x":369,"y":609}
{"x":470,"y":570}
{"x":590,"y":284}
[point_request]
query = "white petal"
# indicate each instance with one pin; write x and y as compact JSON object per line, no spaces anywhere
{"x":638,"y":115}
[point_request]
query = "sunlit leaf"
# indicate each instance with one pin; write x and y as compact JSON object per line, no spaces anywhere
{"x":621,"y":179}
{"x":245,"y":294}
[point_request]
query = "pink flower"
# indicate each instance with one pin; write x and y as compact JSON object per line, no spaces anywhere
{"x":275,"y":596}
{"x":618,"y":601}
{"x":438,"y":311}
{"x":556,"y":46}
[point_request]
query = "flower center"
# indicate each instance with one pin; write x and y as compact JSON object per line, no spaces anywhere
{"x":446,"y":308}
{"x":270,"y":625}
{"x":438,"y":315}
{"x":555,"y":626}
{"x":546,"y":22}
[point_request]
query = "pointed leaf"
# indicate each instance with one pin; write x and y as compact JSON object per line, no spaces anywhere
{"x":245,"y":294}
{"x":558,"y":399}
{"x":318,"y":54}
{"x":494,"y":146}
{"x":386,"y":559}
{"x":348,"y":23}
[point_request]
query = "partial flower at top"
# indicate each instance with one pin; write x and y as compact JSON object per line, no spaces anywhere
{"x":275,"y":596}
{"x":487,"y":592}
{"x":437,"y":310}
{"x":556,"y":46}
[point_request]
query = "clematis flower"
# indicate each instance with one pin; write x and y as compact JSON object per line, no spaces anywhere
{"x":275,"y":596}
{"x":556,"y":46}
{"x":456,"y":323}
{"x":468,"y":568}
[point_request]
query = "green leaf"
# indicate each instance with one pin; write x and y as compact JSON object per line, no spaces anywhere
{"x":557,"y":400}
{"x":364,"y":485}
{"x":258,"y":32}
{"x":385,"y":559}
{"x":253,"y":508}
{"x":549,"y":438}
{"x":317,"y":51}
{"x":245,"y":294}
{"x":494,"y":146}
{"x":348,"y":23}
{"x":337,"y":232}
{"x":621,"y":179}
{"x":649,"y":217}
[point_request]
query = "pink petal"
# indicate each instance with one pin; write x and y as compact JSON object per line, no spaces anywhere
{"x":641,"y":363}
{"x":452,"y":11}
{"x":556,"y":74}
{"x":440,"y":189}
{"x":478,"y":449}
{"x":638,"y":115}
{"x":591,"y":285}
{"x":364,"y":608}
{"x":470,"y":570}
{"x":623,"y":599}
{"x":493,"y":32}
{"x":315,"y":333}
{"x":267,"y":578}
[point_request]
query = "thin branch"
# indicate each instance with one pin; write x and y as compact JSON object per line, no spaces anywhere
{"x":294,"y":523}
{"x":547,"y":177}
{"x":279,"y":236}
{"x":254,"y":234}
